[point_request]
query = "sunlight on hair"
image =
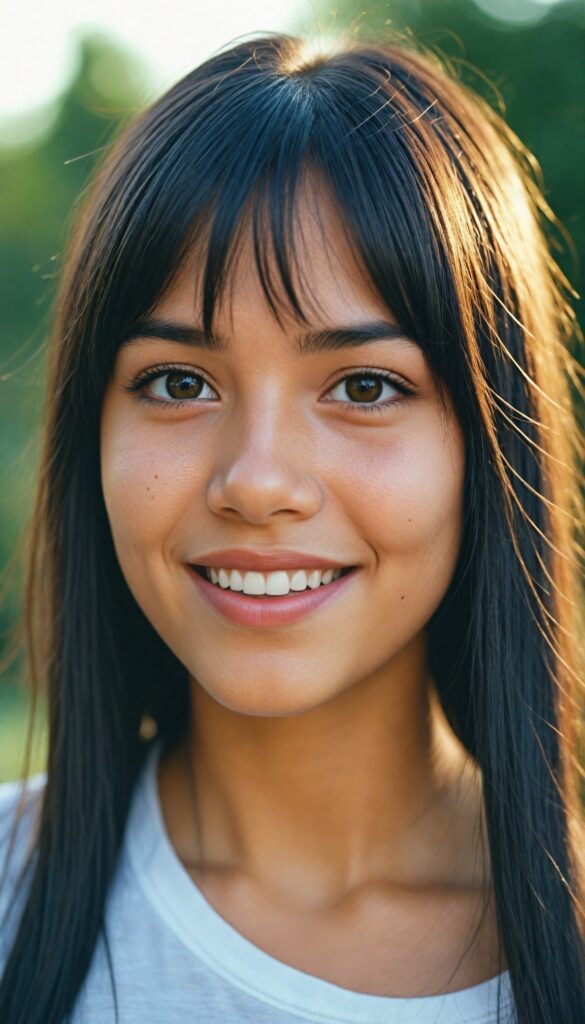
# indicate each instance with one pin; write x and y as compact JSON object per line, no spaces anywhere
{"x":312,"y":50}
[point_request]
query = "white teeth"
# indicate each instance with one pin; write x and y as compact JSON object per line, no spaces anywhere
{"x":298,"y":580}
{"x":236,"y":580}
{"x":255,"y":583}
{"x":275,"y":584}
{"x":224,"y":580}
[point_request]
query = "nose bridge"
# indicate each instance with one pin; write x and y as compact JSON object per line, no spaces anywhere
{"x":264,"y":458}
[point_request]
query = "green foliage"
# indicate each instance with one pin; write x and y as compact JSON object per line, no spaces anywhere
{"x":40,"y":184}
{"x":535,"y":69}
{"x":14,"y":708}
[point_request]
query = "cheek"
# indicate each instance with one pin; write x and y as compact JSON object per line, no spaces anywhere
{"x":405,"y":496}
{"x":146,"y":485}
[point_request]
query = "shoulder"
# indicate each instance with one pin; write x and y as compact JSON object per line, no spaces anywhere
{"x":20,"y":803}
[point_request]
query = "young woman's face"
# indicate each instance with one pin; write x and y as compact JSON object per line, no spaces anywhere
{"x":268,"y":453}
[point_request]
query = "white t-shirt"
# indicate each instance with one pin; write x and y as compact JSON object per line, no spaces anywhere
{"x":177,"y":961}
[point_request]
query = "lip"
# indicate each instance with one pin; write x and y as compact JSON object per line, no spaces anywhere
{"x":259,"y":612}
{"x":266,"y":561}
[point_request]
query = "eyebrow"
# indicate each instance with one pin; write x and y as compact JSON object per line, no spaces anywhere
{"x":325,"y":340}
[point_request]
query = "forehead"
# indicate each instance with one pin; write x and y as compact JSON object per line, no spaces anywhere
{"x":331,"y":284}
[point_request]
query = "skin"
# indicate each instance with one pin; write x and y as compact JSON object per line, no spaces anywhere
{"x":335,"y":802}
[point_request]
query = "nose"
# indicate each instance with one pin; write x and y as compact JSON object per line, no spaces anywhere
{"x":265,"y":470}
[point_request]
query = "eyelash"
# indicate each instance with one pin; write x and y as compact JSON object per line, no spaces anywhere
{"x":136,"y":386}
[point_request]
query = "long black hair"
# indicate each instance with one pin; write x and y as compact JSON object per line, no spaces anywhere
{"x":442,"y":204}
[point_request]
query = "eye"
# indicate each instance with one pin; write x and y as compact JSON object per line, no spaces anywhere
{"x":365,"y":388}
{"x":168,"y":385}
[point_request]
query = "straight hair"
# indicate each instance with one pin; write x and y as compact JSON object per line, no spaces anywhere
{"x":443,"y":206}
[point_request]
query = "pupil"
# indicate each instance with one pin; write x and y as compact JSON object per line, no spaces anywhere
{"x":371,"y":383}
{"x":183,"y":385}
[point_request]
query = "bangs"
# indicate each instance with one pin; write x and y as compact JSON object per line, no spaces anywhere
{"x":221,"y":155}
{"x":271,"y":218}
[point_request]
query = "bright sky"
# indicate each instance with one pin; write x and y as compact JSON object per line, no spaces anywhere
{"x":38,"y":40}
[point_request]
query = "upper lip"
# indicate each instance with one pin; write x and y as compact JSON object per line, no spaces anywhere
{"x":267,"y":561}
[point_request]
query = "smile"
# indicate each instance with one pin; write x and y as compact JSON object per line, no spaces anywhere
{"x":270,"y":599}
{"x":275,"y":584}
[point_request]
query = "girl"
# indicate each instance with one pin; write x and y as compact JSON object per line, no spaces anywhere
{"x":302,"y":589}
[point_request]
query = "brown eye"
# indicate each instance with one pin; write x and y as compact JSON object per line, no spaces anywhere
{"x":181,"y":384}
{"x":363,"y":388}
{"x":174,"y":386}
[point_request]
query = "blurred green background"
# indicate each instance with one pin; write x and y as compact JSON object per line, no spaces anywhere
{"x":525,"y":56}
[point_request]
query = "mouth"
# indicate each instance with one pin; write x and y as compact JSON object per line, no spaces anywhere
{"x":272,"y":610}
{"x":204,"y":572}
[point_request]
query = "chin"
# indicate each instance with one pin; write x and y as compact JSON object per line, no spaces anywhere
{"x":269,"y":700}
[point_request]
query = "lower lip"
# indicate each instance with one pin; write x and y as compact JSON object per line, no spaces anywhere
{"x":270,"y":611}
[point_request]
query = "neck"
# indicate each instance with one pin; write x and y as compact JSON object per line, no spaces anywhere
{"x":372,"y":785}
